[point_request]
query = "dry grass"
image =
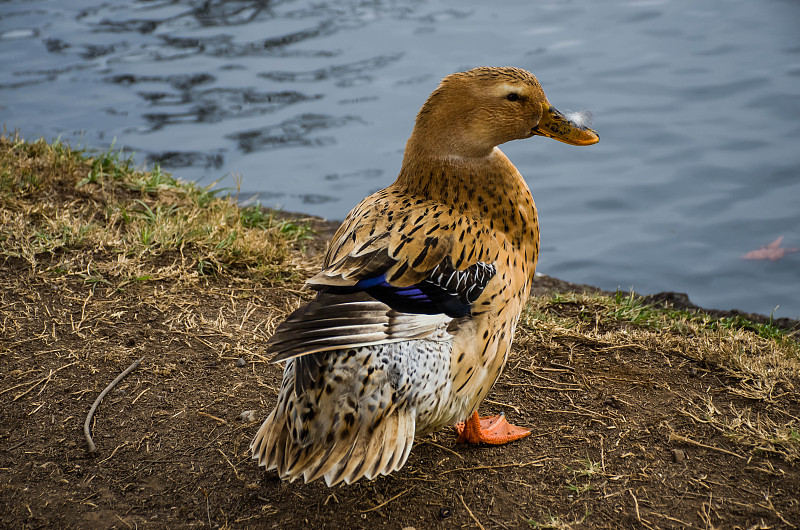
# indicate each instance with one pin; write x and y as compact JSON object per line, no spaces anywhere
{"x":763,"y":359}
{"x":758,"y":361}
{"x":65,"y":212}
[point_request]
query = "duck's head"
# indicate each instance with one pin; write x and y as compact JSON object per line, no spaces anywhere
{"x":472,"y":112}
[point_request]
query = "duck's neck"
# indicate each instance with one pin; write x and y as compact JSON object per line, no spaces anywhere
{"x":487,"y":187}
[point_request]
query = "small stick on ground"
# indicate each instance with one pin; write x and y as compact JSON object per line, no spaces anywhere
{"x":636,"y":505}
{"x":516,"y":409}
{"x":470,"y":513}
{"x":44,"y":379}
{"x":87,"y":424}
{"x":229,"y":463}
{"x":207,"y":415}
{"x":384,"y":503}
{"x":673,"y":436}
{"x":498,"y":466}
{"x":117,"y":448}
{"x":442,"y":447}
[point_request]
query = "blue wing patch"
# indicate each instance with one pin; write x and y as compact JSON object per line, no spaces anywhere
{"x":446,"y":290}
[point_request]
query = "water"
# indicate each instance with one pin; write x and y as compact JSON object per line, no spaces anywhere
{"x":696,"y":103}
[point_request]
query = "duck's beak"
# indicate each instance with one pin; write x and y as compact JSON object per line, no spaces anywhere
{"x":554,"y":125}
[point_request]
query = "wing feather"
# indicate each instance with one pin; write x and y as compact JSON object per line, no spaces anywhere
{"x":388,"y":276}
{"x":361,"y":321}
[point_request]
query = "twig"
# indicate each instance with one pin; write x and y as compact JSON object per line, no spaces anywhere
{"x":502,"y":404}
{"x":617,"y":346}
{"x":543,"y":378}
{"x":9,"y":389}
{"x":207,"y":415}
{"x":140,"y":395}
{"x":678,"y":437}
{"x":470,"y":513}
{"x":87,"y":424}
{"x":636,"y":504}
{"x":791,"y":416}
{"x":208,"y":509}
{"x":602,"y":455}
{"x":384,"y":503}
{"x":537,"y":387}
{"x":229,"y":463}
{"x":562,"y":366}
{"x":476,"y":468}
{"x":667,"y":517}
{"x":442,"y":447}
{"x":38,"y":381}
{"x":593,"y":415}
{"x":117,"y":448}
{"x":771,"y":507}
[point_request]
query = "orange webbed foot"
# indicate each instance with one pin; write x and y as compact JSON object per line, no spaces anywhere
{"x":494,"y":430}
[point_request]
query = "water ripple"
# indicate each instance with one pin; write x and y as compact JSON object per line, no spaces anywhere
{"x":184,"y":159}
{"x":295,"y":132}
{"x":345,"y":73}
{"x":218,"y":104}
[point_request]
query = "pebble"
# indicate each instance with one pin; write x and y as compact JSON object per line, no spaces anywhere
{"x":678,"y":455}
{"x":248,"y":415}
{"x":240,"y":362}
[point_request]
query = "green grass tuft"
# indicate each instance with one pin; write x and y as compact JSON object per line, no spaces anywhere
{"x":59,"y":204}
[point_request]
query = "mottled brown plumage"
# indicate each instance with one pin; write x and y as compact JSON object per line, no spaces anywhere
{"x":420,"y":291}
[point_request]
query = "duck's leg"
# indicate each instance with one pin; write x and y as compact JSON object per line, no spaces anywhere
{"x":493,"y":430}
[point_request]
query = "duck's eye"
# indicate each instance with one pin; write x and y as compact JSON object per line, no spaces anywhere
{"x":513,"y":96}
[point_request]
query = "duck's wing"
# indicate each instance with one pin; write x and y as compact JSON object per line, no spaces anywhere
{"x":385,"y":281}
{"x":341,"y":321}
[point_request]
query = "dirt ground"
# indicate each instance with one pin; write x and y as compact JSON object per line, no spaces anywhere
{"x":621,"y":434}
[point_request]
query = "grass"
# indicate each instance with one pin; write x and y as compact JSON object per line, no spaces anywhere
{"x":759,"y":361}
{"x":734,"y":342}
{"x":68,"y":211}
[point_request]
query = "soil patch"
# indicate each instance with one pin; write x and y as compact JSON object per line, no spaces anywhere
{"x":621,"y":434}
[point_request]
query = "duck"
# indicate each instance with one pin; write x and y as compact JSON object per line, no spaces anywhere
{"x":419,"y":294}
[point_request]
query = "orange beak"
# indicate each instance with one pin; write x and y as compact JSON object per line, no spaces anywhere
{"x":554,"y":125}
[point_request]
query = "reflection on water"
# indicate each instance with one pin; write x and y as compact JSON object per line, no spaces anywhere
{"x":344,"y":74}
{"x":297,"y":131}
{"x":312,"y":101}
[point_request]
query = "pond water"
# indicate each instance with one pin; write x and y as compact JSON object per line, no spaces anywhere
{"x":310,"y":102}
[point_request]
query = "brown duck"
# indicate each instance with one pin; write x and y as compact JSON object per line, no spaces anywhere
{"x":420,"y":292}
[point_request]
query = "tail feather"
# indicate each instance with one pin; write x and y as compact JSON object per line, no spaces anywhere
{"x":389,"y":443}
{"x":338,"y":472}
{"x":316,"y":459}
{"x":348,"y":459}
{"x":354,"y":412}
{"x":373,"y":453}
{"x":402,"y":441}
{"x":402,"y":454}
{"x":264,"y":446}
{"x":348,"y":469}
{"x":331,"y":459}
